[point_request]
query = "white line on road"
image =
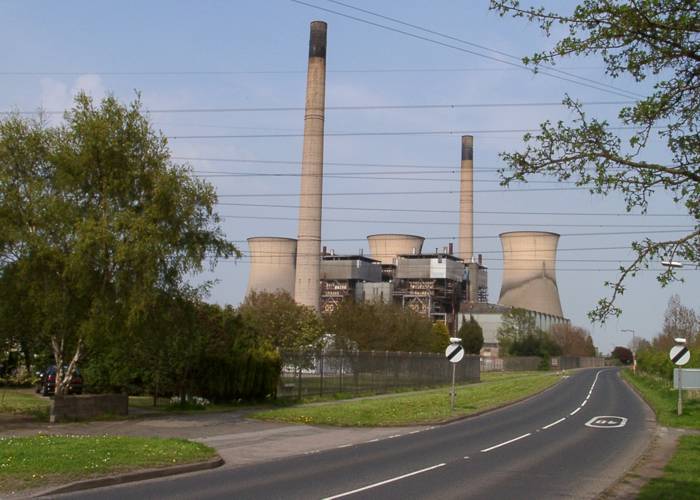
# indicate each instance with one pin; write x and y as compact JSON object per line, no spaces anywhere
{"x":554,"y":423}
{"x":414,"y":432}
{"x":373,"y":440}
{"x":394,"y":436}
{"x":345,"y":445}
{"x":393,"y":479}
{"x":507,"y":442}
{"x":575,"y":411}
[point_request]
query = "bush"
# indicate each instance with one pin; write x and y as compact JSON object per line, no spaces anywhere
{"x":249,"y":375}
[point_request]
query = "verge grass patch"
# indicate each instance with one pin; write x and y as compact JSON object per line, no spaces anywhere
{"x":681,"y":479}
{"x":425,"y":407}
{"x":38,"y":461}
{"x":662,"y":397}
{"x":23,"y":402}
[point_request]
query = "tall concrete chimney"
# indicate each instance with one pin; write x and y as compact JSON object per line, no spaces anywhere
{"x":465,"y":246}
{"x":529,"y":271}
{"x":308,"y":273}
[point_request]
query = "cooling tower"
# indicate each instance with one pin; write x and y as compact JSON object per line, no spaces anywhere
{"x":465,"y":246}
{"x":529,"y":278}
{"x":385,"y":247}
{"x":272,"y":264}
{"x":307,"y":287}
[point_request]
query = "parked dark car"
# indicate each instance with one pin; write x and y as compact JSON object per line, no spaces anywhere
{"x":46,"y":385}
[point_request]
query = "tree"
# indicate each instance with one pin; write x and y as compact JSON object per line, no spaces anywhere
{"x":573,"y":340}
{"x":440,"y":336}
{"x":382,"y":327}
{"x":679,"y":321}
{"x":280,"y":321}
{"x":622,"y":354}
{"x":639,"y":39}
{"x":516,"y":324}
{"x":97,"y":224}
{"x":472,"y":336}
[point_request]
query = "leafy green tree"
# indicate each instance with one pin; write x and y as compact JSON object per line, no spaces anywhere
{"x":280,"y":321}
{"x":516,"y":324}
{"x":381,"y":327}
{"x":440,"y":336}
{"x":640,"y":39}
{"x":472,"y":336}
{"x":98,"y":223}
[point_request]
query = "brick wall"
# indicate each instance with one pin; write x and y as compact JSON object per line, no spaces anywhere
{"x":66,"y":408}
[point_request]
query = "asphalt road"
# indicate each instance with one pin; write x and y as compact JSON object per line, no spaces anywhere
{"x":540,"y":448}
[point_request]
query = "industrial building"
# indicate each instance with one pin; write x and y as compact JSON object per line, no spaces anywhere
{"x":445,"y":285}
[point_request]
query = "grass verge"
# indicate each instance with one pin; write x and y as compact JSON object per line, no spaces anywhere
{"x":39,"y":461}
{"x":424,"y":407}
{"x":681,"y":477}
{"x":663,"y":399}
{"x":23,"y":402}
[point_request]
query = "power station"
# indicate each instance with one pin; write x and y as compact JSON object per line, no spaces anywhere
{"x":443,"y":284}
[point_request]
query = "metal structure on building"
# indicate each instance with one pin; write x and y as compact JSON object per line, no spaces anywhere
{"x":430,"y":284}
{"x":341,"y":275}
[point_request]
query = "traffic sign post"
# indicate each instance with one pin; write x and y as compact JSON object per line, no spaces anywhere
{"x":454,"y":354}
{"x":680,"y":355}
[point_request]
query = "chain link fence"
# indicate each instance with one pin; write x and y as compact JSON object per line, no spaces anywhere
{"x":314,"y":373}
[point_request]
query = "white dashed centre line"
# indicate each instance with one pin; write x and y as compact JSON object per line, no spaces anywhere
{"x":554,"y":423}
{"x":507,"y":442}
{"x":393,"y":479}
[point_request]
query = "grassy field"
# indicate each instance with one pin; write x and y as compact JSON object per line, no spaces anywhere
{"x":681,"y":479}
{"x":39,"y":461}
{"x":23,"y":401}
{"x":663,"y":399}
{"x":424,"y":407}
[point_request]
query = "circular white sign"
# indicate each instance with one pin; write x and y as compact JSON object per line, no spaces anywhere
{"x":454,"y":353}
{"x":679,"y":354}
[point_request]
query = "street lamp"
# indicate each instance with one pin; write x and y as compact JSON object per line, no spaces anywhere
{"x":634,"y":349}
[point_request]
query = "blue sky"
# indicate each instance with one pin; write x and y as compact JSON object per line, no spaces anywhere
{"x":259,"y":49}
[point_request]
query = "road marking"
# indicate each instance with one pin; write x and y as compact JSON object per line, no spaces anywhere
{"x":394,"y":436}
{"x":507,"y":442}
{"x":584,"y":403}
{"x":373,"y":440}
{"x":345,"y":445}
{"x":607,"y":422}
{"x":575,"y":411}
{"x":554,"y":423}
{"x":381,"y":483}
{"x":414,"y":432}
{"x":466,"y":458}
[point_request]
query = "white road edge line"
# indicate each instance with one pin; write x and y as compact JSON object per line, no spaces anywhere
{"x":575,"y":411}
{"x":345,"y":445}
{"x":414,"y":432}
{"x":373,"y":440}
{"x":381,"y":483}
{"x":507,"y":442}
{"x":554,"y":423}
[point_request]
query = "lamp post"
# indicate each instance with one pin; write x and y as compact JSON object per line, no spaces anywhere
{"x":634,"y":348}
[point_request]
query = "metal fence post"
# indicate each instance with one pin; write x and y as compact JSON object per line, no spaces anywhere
{"x":299,"y":379}
{"x":342,"y":357}
{"x":321,"y":381}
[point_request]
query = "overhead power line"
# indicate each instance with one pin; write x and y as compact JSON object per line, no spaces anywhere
{"x":273,"y":71}
{"x":359,"y":107}
{"x":598,"y":86}
{"x":486,"y":237}
{"x":396,"y":193}
{"x":378,"y":133}
{"x":472,"y":44}
{"x":452,"y":223}
{"x":437,"y":211}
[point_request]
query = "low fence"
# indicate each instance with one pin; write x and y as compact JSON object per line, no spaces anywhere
{"x":530,"y":363}
{"x":309,"y":373}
